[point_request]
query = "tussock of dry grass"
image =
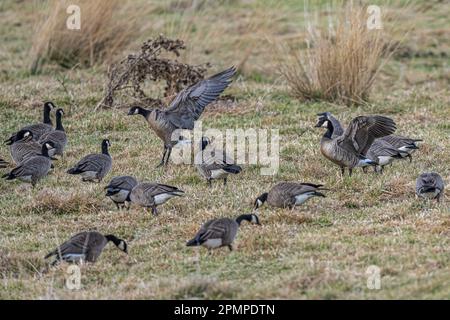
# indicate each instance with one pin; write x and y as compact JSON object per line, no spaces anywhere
{"x":105,"y":31}
{"x":319,"y":250}
{"x":340,"y":65}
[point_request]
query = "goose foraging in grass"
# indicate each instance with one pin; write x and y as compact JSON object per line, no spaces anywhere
{"x":221,"y":232}
{"x":214,"y":164}
{"x":429,"y":185}
{"x":383,"y":153}
{"x":151,"y":195}
{"x":406,"y":146}
{"x":289,"y":194}
{"x":94,"y":166}
{"x":85,"y":247}
{"x":119,"y":189}
{"x":184,"y":110}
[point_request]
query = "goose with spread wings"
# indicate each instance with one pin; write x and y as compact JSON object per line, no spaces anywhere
{"x":349,"y":149}
{"x":184,"y":110}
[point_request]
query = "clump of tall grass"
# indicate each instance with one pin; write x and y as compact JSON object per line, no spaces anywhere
{"x":105,"y":29}
{"x":340,"y":64}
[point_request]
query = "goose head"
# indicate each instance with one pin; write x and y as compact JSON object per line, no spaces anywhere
{"x":260,"y":200}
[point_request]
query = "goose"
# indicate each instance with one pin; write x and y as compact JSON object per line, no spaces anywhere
{"x":22,"y":146}
{"x":221,"y":232}
{"x":349,"y":149}
{"x":39,"y":129}
{"x":85,"y":246}
{"x":151,"y":195}
{"x":57,"y":136}
{"x":119,"y":189}
{"x":213,"y":164}
{"x":184,"y":110}
{"x":406,"y":146}
{"x":383,"y":153}
{"x":94,"y":166}
{"x":34,"y":168}
{"x":429,"y":185}
{"x":289,"y":194}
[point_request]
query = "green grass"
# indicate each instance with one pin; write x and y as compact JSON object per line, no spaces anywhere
{"x":320,"y":250}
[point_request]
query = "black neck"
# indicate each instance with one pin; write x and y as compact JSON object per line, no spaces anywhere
{"x":247,"y":217}
{"x":47,"y":119}
{"x":59,"y":125}
{"x":44,"y":151}
{"x":330,"y":129}
{"x":144,"y":112}
{"x":105,"y":148}
{"x":113,"y":239}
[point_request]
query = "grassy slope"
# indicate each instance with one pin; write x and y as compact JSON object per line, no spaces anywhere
{"x":321,"y":250}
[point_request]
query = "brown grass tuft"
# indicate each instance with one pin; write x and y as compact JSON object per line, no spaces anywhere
{"x":104,"y":32}
{"x":339,"y":65}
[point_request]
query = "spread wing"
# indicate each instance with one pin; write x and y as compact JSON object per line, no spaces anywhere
{"x":363,"y":130}
{"x":189,"y":104}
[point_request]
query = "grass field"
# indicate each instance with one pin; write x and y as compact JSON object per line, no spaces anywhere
{"x":318,"y":251}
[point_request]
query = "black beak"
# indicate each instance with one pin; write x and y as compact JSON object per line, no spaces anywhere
{"x":9,"y":142}
{"x":130,"y":113}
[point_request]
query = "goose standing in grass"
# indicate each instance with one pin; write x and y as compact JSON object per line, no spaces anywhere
{"x":221,"y":232}
{"x":94,"y":166}
{"x":349,"y":149}
{"x":151,"y":195}
{"x":406,"y":146}
{"x":214,"y":164}
{"x":383,"y":153}
{"x":33,"y":169}
{"x":184,"y":110}
{"x":39,"y":129}
{"x":289,"y":194}
{"x":119,"y":189}
{"x":22,"y":146}
{"x":85,"y":247}
{"x":429,"y":185}
{"x":57,"y":136}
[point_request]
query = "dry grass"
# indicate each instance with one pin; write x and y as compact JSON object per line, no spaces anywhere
{"x":320,"y":250}
{"x":105,"y":31}
{"x":340,"y":64}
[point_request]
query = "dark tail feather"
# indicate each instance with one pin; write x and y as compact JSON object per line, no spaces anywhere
{"x":232,"y":168}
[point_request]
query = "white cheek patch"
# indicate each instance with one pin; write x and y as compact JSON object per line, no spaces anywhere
{"x":325,"y":124}
{"x":259,"y":202}
{"x":121,"y":246}
{"x":254,"y":219}
{"x":26,"y":134}
{"x":136,"y":111}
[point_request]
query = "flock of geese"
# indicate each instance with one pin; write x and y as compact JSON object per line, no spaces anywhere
{"x":368,"y":141}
